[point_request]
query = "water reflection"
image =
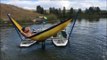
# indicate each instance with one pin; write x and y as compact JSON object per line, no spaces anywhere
{"x":90,"y":20}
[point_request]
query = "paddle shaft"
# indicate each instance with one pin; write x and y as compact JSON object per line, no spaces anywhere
{"x":73,"y":25}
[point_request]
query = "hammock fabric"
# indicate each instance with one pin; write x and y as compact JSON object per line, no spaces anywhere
{"x":43,"y":35}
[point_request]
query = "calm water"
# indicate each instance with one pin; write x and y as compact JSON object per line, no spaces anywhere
{"x":87,"y":42}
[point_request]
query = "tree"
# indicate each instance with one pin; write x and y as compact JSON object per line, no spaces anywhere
{"x":98,"y":9}
{"x":59,"y":13}
{"x":64,"y":12}
{"x":80,"y":11}
{"x":50,"y":10}
{"x":70,"y":13}
{"x":40,"y":9}
{"x":86,"y":11}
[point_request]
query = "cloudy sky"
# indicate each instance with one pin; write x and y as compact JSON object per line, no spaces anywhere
{"x":83,"y":4}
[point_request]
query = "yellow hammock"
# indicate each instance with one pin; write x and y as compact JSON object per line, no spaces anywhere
{"x":43,"y":35}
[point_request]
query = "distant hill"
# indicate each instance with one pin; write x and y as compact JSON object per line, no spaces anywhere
{"x":16,"y":12}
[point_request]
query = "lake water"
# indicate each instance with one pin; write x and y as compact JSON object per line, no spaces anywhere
{"x":87,"y":42}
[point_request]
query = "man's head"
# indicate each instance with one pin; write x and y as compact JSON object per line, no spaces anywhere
{"x":26,"y":29}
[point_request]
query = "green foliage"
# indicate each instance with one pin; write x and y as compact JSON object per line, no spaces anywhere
{"x":51,"y":18}
{"x":1,"y":21}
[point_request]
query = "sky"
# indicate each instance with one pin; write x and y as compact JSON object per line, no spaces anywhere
{"x":76,"y":4}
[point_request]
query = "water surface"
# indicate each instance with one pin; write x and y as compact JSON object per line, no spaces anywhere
{"x":87,"y":42}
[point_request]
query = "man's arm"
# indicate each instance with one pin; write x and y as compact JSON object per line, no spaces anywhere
{"x":26,"y":35}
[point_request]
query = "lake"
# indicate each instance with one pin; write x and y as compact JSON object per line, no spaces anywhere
{"x":87,"y":42}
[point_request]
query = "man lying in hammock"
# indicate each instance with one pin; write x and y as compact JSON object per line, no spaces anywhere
{"x":27,"y":31}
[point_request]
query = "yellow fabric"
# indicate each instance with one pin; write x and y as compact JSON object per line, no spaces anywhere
{"x":17,"y":25}
{"x":51,"y":32}
{"x":47,"y":34}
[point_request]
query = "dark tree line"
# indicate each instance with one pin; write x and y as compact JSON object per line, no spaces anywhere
{"x":64,"y":13}
{"x":92,"y":10}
